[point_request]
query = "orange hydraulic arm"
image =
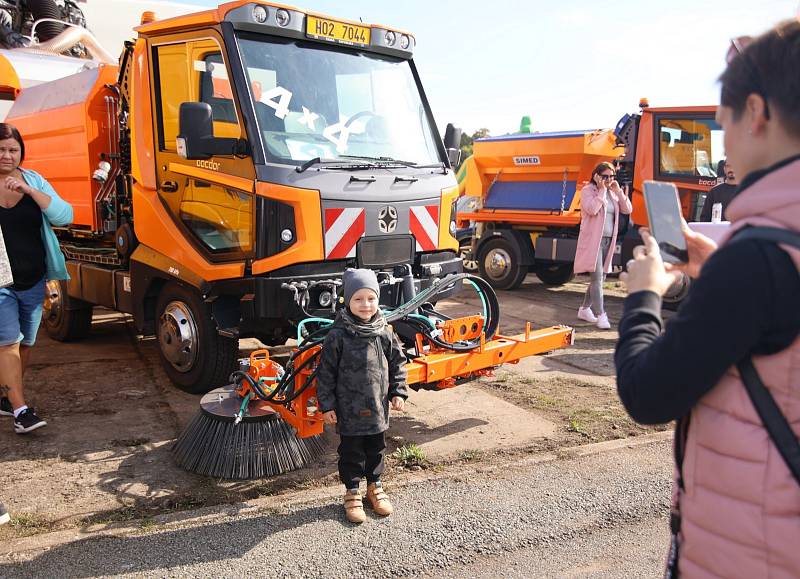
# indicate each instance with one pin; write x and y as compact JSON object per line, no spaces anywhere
{"x":435,"y":368}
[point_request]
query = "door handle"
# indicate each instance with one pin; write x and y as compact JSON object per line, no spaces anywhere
{"x":169,"y":186}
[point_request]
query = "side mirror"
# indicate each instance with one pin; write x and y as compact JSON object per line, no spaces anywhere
{"x":196,"y":138}
{"x":454,"y":156}
{"x":452,"y":137}
{"x":452,"y":144}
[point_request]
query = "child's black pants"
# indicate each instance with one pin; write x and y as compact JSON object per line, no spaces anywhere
{"x":360,"y":457}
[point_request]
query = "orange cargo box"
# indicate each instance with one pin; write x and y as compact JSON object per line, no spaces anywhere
{"x":67,"y":125}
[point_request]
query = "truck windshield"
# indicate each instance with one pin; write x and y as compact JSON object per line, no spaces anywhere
{"x":317,"y":101}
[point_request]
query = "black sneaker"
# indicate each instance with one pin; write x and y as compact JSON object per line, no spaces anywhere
{"x":5,"y":407}
{"x":4,"y":516}
{"x":27,"y":422}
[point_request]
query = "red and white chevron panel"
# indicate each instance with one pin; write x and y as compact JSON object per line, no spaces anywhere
{"x":423,"y":223}
{"x":344,"y":226}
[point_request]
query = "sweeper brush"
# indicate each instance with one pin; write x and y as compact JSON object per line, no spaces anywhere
{"x":267,"y":422}
{"x":260,"y":445}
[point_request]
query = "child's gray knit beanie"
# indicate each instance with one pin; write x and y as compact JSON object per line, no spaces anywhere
{"x":355,"y":279}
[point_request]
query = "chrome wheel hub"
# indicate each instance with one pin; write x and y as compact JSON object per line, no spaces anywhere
{"x":498,"y":263}
{"x":53,"y":302}
{"x":178,"y":337}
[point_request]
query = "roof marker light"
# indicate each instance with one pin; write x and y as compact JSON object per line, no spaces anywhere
{"x":259,"y":14}
{"x":283,"y":17}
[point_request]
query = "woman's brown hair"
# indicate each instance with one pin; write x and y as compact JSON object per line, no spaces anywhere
{"x":10,"y":132}
{"x":769,"y":66}
{"x":601,"y":167}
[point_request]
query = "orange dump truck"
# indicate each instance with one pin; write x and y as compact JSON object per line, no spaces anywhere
{"x":231,"y":166}
{"x":528,"y":186}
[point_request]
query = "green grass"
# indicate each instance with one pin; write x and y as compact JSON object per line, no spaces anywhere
{"x":576,"y":426}
{"x":470,"y":455}
{"x":409,"y":455}
{"x":29,"y":524}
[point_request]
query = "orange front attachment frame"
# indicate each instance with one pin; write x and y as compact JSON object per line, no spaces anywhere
{"x":435,"y":368}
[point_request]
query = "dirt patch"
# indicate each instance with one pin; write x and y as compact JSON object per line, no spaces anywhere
{"x":584,"y":410}
{"x":105,"y":454}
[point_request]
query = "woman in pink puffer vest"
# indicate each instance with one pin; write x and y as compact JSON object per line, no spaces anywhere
{"x":736,"y":503}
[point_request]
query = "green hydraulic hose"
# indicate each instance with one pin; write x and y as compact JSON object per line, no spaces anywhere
{"x":306,"y":321}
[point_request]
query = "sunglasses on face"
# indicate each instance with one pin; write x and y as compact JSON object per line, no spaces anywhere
{"x":607,"y":177}
{"x":738,"y":45}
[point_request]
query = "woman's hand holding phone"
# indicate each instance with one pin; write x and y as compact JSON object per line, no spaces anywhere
{"x":699,"y":248}
{"x":647,"y":271}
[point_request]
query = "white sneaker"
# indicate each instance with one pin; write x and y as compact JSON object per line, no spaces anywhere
{"x":586,"y":315}
{"x":602,"y":322}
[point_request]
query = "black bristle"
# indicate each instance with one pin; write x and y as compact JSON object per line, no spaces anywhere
{"x":257,"y":447}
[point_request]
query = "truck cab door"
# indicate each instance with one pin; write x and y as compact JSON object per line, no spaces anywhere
{"x":211,"y":200}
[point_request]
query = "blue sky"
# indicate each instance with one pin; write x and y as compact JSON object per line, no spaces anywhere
{"x":570,"y":64}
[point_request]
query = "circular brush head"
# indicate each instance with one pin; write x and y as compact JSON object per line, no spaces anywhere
{"x":261,"y":445}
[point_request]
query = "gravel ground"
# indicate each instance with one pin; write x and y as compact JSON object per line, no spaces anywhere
{"x":599,"y":515}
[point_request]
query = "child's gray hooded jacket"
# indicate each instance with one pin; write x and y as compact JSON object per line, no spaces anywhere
{"x":362,"y":367}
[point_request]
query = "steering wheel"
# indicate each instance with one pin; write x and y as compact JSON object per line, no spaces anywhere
{"x":359,"y":115}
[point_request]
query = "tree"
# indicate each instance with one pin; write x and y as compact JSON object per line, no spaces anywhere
{"x":467,"y":141}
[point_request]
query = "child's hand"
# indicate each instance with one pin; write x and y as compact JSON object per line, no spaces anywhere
{"x":398,"y":404}
{"x":329,"y":417}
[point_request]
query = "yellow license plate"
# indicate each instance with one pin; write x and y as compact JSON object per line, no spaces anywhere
{"x":334,"y":31}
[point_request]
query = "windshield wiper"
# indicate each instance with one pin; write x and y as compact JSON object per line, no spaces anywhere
{"x":383,"y":161}
{"x":334,"y":164}
{"x":307,"y":164}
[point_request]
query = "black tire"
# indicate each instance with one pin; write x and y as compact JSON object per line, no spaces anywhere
{"x":195,"y":357}
{"x":556,"y":274}
{"x":500,"y":264}
{"x":65,"y":318}
{"x":464,"y":250}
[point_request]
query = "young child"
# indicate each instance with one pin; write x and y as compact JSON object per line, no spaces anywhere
{"x":361,"y":369}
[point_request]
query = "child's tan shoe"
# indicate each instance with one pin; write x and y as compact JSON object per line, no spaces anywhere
{"x":378,"y":500}
{"x":354,"y":508}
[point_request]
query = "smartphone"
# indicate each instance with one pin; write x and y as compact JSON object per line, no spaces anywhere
{"x":664,"y":214}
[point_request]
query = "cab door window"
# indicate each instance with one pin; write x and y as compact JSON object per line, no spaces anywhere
{"x":193,"y":71}
{"x":221,"y":218}
{"x":689,"y":148}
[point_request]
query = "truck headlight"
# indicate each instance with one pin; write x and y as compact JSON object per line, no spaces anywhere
{"x":405,"y":41}
{"x":390,"y":38}
{"x":453,"y":228}
{"x":287,"y":235}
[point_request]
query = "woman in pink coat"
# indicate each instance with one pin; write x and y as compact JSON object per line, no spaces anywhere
{"x":602,"y":200}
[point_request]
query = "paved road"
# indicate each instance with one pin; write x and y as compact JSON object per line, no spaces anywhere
{"x":600,"y":515}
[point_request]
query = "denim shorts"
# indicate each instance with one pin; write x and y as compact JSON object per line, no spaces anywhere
{"x":21,"y":313}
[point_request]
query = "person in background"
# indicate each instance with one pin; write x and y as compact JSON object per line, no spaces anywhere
{"x":722,"y":193}
{"x":602,"y":201}
{"x":736,"y":504}
{"x":29,"y":207}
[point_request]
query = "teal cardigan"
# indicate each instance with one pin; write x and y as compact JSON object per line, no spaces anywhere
{"x":59,"y":212}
